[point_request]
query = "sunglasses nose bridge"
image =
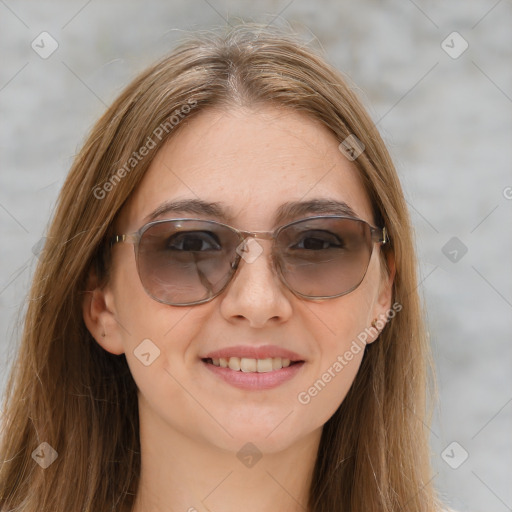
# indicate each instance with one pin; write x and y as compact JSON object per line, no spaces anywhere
{"x":250,"y":249}
{"x":245,"y":238}
{"x":261,"y":235}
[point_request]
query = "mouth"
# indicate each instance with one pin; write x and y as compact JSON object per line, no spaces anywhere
{"x":250,"y":365}
{"x":253,"y":373}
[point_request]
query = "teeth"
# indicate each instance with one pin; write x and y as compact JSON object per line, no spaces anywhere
{"x":264,"y":365}
{"x":234,"y":363}
{"x":248,"y":365}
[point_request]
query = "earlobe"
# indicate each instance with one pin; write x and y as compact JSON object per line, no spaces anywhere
{"x":99,"y":317}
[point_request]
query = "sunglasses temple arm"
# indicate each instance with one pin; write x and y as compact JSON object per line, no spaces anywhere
{"x":380,"y":235}
{"x":117,"y":239}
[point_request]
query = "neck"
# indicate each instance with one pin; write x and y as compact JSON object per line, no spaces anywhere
{"x":185,"y":474}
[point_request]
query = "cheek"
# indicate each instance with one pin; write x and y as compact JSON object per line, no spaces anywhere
{"x":336,"y":323}
{"x":326,"y":392}
{"x":340,"y":338}
{"x":155,"y":336}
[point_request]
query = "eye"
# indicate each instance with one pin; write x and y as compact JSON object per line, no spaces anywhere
{"x":318,"y":241}
{"x":195,"y":241}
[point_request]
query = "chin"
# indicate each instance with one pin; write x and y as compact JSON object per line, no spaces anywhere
{"x":273,"y":438}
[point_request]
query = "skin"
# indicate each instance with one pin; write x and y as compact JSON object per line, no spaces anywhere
{"x":193,"y":424}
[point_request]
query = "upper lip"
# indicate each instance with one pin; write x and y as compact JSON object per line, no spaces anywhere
{"x":252,"y":352}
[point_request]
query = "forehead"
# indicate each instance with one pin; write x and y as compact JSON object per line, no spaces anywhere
{"x":249,"y":162}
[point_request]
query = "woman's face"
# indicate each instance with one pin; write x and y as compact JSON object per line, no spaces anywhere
{"x":250,"y":162}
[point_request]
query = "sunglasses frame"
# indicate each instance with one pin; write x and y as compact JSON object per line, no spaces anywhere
{"x":378,"y":236}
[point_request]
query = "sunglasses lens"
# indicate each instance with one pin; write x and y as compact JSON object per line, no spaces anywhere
{"x":182,"y":262}
{"x":324,"y":257}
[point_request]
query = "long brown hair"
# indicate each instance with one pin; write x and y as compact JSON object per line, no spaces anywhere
{"x":64,"y":389}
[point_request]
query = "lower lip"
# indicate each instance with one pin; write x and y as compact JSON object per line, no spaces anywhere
{"x":253,"y":380}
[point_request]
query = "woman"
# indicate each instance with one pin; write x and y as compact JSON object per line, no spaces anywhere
{"x":225,"y":315}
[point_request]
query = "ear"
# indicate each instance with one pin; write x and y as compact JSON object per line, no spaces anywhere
{"x":382,"y":305}
{"x":99,"y":315}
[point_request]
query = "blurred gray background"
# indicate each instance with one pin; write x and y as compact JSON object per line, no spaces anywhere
{"x":444,"y":110}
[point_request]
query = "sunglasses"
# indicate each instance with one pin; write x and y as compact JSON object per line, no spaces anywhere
{"x":184,"y":262}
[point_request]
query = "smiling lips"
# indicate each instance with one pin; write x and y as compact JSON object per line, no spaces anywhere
{"x":247,"y":358}
{"x":253,"y":367}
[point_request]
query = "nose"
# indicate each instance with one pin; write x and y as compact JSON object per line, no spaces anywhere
{"x":256,"y":294}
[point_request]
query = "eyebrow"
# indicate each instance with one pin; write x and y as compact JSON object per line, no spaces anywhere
{"x":286,"y":212}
